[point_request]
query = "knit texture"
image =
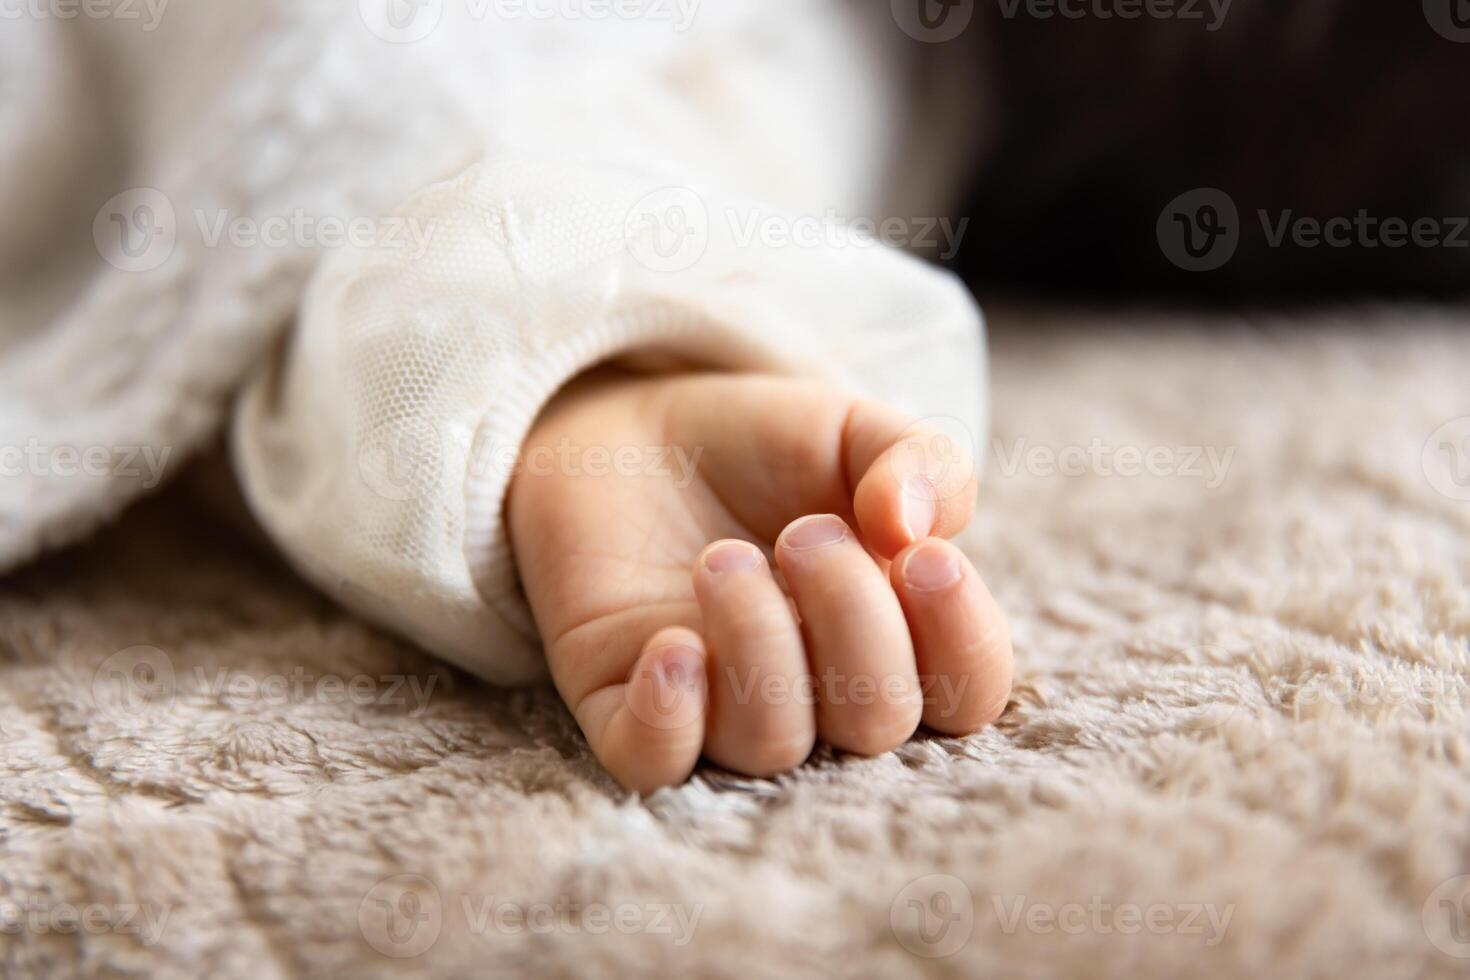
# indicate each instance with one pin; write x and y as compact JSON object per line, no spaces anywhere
{"x":378,"y":452}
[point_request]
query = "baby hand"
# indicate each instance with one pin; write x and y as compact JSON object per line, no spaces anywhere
{"x":669,"y":631}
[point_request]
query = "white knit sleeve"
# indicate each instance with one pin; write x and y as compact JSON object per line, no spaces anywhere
{"x":378,"y":446}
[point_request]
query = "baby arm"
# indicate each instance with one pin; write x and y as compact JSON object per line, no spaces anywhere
{"x":421,"y":393}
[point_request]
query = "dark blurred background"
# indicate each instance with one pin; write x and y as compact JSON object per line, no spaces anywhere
{"x":1314,"y":109}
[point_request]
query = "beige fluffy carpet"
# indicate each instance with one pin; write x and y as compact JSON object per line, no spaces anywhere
{"x":1237,"y":746}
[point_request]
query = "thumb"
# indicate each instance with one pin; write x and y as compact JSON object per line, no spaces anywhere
{"x":915,"y":479}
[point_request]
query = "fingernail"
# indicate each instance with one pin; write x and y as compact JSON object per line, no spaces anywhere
{"x":731,"y":556}
{"x":920,"y":507}
{"x":682,"y":667}
{"x":931,"y":568}
{"x":817,"y":531}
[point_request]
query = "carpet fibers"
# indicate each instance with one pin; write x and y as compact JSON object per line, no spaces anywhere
{"x":1235,"y":553}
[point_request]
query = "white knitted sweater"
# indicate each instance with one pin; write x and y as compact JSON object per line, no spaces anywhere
{"x":404,"y":226}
